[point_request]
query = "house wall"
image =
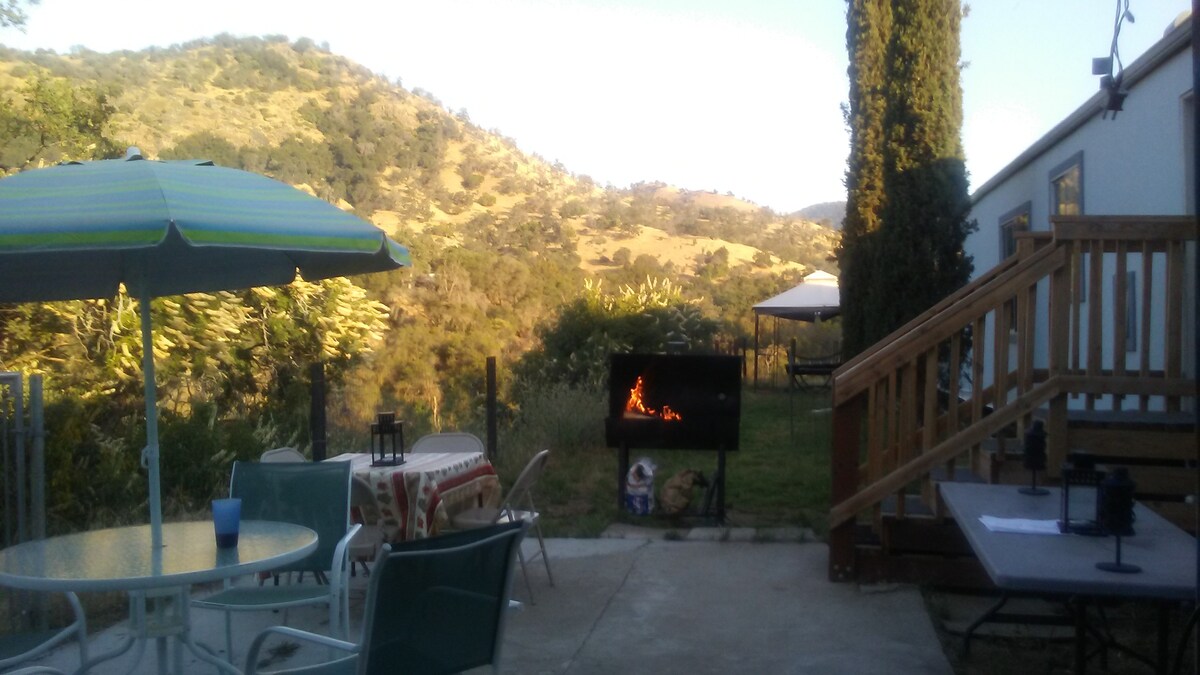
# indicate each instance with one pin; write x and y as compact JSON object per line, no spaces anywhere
{"x":1132,"y":165}
{"x":1136,"y":164}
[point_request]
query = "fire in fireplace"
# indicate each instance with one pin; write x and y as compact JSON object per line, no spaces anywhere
{"x":636,"y":404}
{"x":674,"y":402}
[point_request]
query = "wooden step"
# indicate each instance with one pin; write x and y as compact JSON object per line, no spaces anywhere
{"x":914,"y":505}
{"x":961,"y":475}
{"x":1132,"y":419}
{"x":918,"y":550}
{"x":1158,"y":448}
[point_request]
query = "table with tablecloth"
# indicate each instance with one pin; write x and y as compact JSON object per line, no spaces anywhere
{"x":416,"y":499}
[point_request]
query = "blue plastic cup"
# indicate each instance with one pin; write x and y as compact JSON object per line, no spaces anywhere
{"x":227,"y":514}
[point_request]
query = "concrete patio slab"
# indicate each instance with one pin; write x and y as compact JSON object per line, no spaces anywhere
{"x":663,"y":606}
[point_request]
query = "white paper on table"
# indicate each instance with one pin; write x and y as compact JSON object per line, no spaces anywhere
{"x":1020,"y":525}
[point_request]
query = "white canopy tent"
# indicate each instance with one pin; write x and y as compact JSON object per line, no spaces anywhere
{"x":816,"y":298}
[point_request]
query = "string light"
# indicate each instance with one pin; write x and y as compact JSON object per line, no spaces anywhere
{"x":1103,"y":66}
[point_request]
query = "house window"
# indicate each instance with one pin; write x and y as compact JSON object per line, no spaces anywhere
{"x":1066,"y":199}
{"x":1189,"y":150}
{"x":1012,"y":222}
{"x":1131,"y":313}
{"x":1066,"y":187}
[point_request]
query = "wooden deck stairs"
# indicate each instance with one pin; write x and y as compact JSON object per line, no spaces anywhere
{"x":949,"y":395}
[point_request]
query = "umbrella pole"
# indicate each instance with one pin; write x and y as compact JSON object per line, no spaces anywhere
{"x":150,"y":452}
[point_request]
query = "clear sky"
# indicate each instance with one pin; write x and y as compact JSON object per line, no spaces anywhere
{"x":740,"y":96}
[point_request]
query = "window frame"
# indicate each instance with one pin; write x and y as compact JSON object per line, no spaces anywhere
{"x":1131,"y":310}
{"x":1008,"y":228}
{"x":1057,"y":173}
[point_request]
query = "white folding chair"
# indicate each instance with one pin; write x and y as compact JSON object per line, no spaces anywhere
{"x":453,"y":441}
{"x":284,"y":454}
{"x":517,"y":506}
{"x":365,"y":545}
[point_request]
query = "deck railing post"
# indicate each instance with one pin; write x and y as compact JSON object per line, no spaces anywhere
{"x":847,"y":423}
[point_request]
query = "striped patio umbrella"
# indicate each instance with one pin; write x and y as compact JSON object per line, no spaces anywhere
{"x":78,"y":230}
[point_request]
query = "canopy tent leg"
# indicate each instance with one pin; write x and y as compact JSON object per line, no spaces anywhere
{"x":756,"y":350}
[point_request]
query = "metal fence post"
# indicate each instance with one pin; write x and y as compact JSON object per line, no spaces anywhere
{"x":491,"y":408}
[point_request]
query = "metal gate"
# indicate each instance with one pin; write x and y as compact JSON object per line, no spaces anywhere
{"x":23,"y":461}
{"x":22,"y":446}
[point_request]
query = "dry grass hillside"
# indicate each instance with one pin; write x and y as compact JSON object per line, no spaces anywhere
{"x":257,"y":94}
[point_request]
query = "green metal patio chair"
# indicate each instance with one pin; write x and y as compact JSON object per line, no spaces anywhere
{"x":434,"y":605}
{"x":17,"y":648}
{"x":313,"y":494}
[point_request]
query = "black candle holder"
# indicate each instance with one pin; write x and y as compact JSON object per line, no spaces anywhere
{"x":1081,"y":496}
{"x":385,"y":432}
{"x":1035,"y":458}
{"x":1115,"y":515}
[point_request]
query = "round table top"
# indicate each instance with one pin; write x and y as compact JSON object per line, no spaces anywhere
{"x":121,"y":558}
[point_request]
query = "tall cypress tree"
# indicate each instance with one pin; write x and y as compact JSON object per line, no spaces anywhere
{"x":906,"y":217}
{"x":868,"y":29}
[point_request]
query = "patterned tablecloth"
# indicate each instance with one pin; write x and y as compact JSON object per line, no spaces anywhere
{"x":417,"y":498}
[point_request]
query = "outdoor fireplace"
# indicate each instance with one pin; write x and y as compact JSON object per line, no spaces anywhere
{"x":674,"y":402}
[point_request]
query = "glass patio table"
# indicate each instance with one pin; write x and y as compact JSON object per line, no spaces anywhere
{"x":158,"y":581}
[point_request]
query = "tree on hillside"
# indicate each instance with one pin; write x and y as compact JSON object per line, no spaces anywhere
{"x":55,"y":120}
{"x":11,"y":13}
{"x":905,"y":225}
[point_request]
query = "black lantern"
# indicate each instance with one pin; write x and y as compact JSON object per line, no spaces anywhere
{"x":1115,"y":514}
{"x":386,"y":434}
{"x":1035,"y":457}
{"x":1080,"y":496}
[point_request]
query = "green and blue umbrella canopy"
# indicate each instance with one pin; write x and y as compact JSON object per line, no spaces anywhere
{"x":79,"y":230}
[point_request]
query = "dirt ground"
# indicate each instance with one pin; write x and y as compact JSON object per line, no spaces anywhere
{"x":1001,"y":649}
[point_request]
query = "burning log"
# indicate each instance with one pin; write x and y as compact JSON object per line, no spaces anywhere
{"x":637,"y":404}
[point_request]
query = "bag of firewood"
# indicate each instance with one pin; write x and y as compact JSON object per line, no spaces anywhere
{"x":676,"y":495}
{"x":639,"y":487}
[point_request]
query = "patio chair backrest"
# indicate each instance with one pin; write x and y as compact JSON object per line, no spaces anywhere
{"x":452,"y":441}
{"x":438,"y":605}
{"x":520,"y":495}
{"x":313,"y":494}
{"x":284,"y":454}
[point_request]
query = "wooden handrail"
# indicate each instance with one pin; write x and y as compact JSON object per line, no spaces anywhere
{"x":922,"y":464}
{"x":1124,"y":228}
{"x":919,"y":334}
{"x":949,"y":301}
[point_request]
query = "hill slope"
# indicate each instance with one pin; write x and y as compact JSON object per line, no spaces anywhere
{"x":500,"y":238}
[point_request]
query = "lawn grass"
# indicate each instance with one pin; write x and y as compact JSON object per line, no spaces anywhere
{"x":778,"y":477}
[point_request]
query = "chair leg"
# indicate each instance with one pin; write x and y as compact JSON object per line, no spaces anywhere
{"x":229,"y":636}
{"x":545,"y":558}
{"x":525,"y":573}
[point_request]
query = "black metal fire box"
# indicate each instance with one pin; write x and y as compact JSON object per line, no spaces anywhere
{"x":674,"y":402}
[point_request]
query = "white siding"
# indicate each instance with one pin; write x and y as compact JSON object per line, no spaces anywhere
{"x":1136,"y":164}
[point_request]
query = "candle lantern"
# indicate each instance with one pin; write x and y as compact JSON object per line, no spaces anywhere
{"x":1035,"y":457}
{"x":1115,"y":514}
{"x":1080,"y":496}
{"x":386,"y":435}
